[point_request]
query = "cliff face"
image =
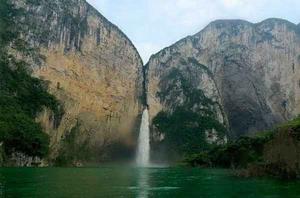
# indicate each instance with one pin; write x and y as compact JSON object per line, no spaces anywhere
{"x":92,"y":68}
{"x":251,"y":71}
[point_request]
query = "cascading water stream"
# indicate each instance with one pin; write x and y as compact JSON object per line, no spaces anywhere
{"x":143,"y":150}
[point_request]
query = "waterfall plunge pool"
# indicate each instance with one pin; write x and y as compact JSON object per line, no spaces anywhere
{"x":142,"y":180}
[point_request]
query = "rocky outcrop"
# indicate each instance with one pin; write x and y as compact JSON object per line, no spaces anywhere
{"x":21,"y":160}
{"x":251,"y":72}
{"x":92,"y":68}
{"x":281,"y":154}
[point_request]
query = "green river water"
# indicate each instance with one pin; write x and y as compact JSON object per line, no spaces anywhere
{"x":124,"y":181}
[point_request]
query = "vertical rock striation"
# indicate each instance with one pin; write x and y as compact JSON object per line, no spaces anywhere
{"x":251,"y":71}
{"x":93,"y":69}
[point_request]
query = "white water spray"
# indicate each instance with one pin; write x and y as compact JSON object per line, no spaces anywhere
{"x":143,"y":150}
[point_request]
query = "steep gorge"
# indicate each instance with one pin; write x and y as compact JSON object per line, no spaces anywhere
{"x":250,"y":71}
{"x":94,"y":70}
{"x":234,"y":76}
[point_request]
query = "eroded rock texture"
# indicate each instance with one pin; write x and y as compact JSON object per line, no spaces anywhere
{"x":251,"y":71}
{"x":93,"y":69}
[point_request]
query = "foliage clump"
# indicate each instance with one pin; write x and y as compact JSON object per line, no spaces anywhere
{"x":235,"y":154}
{"x":22,"y":96}
{"x":185,"y":125}
{"x":271,"y":153}
{"x":72,"y":149}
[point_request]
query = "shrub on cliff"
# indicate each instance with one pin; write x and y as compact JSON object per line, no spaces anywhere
{"x":22,"y":97}
{"x":184,"y":127}
{"x":235,"y":154}
{"x":184,"y":130}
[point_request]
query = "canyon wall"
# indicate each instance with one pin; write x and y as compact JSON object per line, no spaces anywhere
{"x":251,"y":72}
{"x":92,"y":68}
{"x":244,"y":75}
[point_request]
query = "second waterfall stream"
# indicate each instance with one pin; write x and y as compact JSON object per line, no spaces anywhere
{"x":143,"y":149}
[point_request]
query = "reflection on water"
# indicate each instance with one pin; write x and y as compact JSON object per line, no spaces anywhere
{"x":122,"y":181}
{"x":143,"y":183}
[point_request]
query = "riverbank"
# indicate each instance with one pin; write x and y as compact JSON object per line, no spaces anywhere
{"x":273,"y":153}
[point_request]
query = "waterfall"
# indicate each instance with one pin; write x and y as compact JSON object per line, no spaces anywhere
{"x":143,"y":150}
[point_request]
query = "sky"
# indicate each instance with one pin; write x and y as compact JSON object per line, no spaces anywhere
{"x":155,"y":24}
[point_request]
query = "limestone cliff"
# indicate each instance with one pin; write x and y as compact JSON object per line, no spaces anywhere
{"x":251,"y":71}
{"x":92,"y":68}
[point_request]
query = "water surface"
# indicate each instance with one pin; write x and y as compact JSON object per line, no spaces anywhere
{"x":123,"y":181}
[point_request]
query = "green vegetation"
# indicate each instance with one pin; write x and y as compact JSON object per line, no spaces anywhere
{"x":184,"y":127}
{"x":22,"y":97}
{"x":236,"y":154}
{"x":293,"y":124}
{"x":272,"y":153}
{"x":72,"y":150}
{"x":184,"y":130}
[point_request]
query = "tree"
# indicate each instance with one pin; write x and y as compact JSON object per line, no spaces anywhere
{"x":21,"y":95}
